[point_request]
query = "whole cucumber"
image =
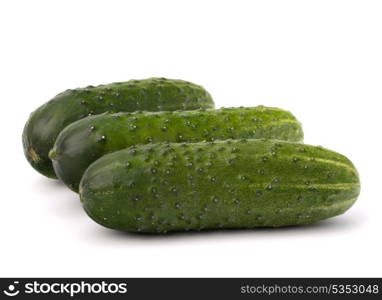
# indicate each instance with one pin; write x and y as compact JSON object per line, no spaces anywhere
{"x":154,"y":94}
{"x":223,"y":184}
{"x":83,"y":142}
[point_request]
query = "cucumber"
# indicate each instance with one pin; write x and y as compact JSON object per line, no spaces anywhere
{"x":223,"y":184}
{"x":83,"y":142}
{"x":154,"y":94}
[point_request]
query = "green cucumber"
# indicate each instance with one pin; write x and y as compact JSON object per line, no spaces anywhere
{"x":83,"y":142}
{"x":154,"y":94}
{"x":222,"y":184}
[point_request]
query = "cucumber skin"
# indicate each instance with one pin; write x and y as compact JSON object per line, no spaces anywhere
{"x":153,"y":94}
{"x":83,"y":142}
{"x":225,"y":184}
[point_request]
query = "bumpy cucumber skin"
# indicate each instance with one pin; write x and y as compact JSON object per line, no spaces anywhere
{"x":83,"y":142}
{"x":223,"y":184}
{"x":153,"y":94}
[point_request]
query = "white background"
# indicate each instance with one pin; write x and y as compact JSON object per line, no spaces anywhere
{"x":322,"y":60}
